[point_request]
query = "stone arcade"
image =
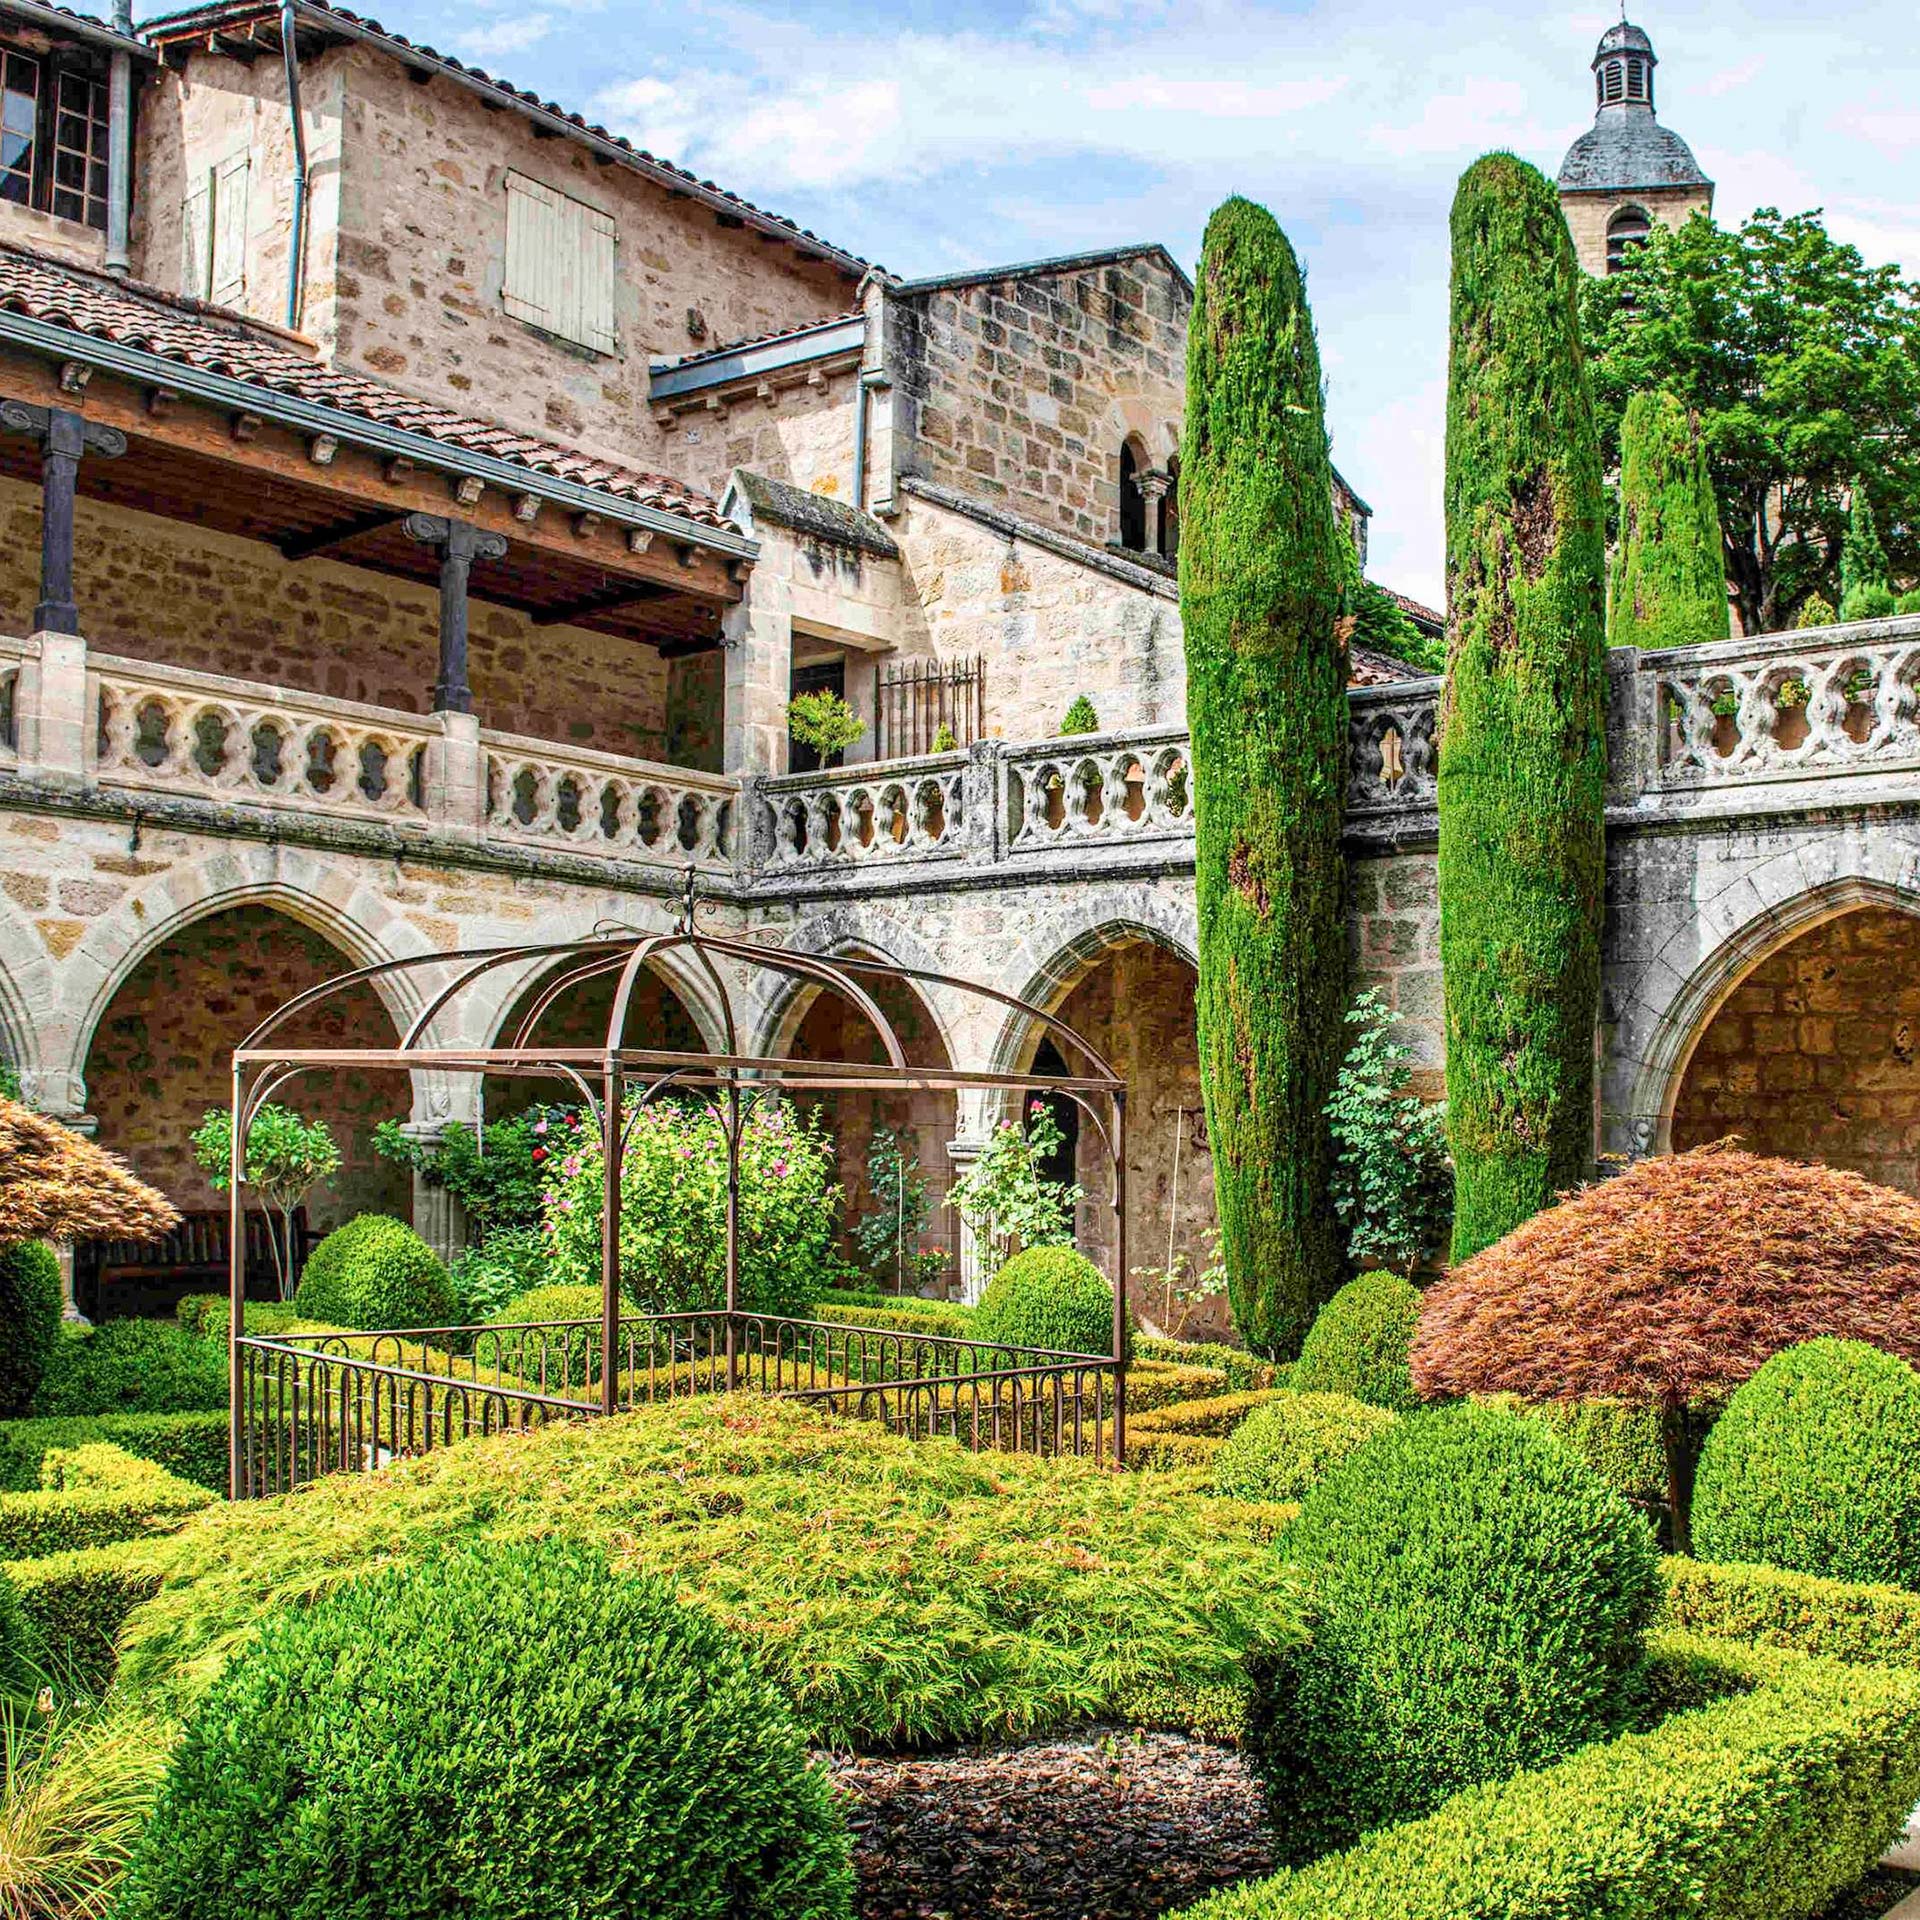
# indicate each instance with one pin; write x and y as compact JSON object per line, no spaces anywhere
{"x":418,"y":526}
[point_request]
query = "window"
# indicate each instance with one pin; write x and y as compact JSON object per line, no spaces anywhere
{"x":53,"y":136}
{"x":1626,"y":230}
{"x":1637,"y":86}
{"x":559,"y":264}
{"x":213,"y":233}
{"x":1612,"y":83}
{"x":1133,"y":504}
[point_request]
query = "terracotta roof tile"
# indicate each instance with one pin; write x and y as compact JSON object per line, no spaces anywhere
{"x":218,"y":341}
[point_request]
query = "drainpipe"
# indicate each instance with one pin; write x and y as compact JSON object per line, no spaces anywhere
{"x":297,"y":241}
{"x":119,"y":145}
{"x":871,"y":379}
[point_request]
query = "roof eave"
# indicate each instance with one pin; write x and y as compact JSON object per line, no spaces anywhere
{"x":310,"y":416}
{"x":54,"y":20}
{"x":721,"y":368}
{"x":1059,"y":263}
{"x":321,"y":20}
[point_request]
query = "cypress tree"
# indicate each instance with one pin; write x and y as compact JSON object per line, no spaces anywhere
{"x":1669,"y":585}
{"x":1263,"y":593}
{"x":1522,"y":751}
{"x":1864,"y":593}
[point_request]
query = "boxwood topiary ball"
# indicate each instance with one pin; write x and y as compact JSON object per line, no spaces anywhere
{"x":1051,"y":1297}
{"x":29,"y":1321}
{"x":1358,"y":1343}
{"x":1815,"y":1466}
{"x":511,"y":1734}
{"x":1287,"y":1446}
{"x":1479,"y":1603}
{"x":375,"y":1273}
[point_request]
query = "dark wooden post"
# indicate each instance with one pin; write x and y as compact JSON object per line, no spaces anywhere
{"x":460,"y":544}
{"x":64,"y":436}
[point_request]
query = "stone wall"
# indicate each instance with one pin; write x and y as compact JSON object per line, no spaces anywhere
{"x":423,"y":256}
{"x":1048,"y":627}
{"x":1022,"y":390}
{"x":1816,"y":1054}
{"x":1588,"y":214}
{"x":1393,"y":946}
{"x":176,"y":594}
{"x":161,"y":1057}
{"x":801,"y":434}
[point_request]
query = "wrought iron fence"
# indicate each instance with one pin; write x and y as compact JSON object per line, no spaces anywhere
{"x":319,"y":1403}
{"x":917,"y":698}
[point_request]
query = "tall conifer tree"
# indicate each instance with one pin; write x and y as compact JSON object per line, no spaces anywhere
{"x":1263,"y":589}
{"x":1522,"y":759}
{"x":1669,"y":584}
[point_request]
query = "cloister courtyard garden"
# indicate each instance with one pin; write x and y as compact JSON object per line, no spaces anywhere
{"x":1483,"y":1530}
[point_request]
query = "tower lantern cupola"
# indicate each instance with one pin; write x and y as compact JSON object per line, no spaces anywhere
{"x":1623,"y":68}
{"x":1627,"y":171}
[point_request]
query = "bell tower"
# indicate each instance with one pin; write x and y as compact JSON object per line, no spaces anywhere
{"x":1627,"y":170}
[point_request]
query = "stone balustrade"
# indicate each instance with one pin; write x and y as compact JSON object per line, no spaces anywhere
{"x":579,"y":801}
{"x":890,"y":810}
{"x":1831,"y":700}
{"x":1392,"y":749}
{"x":166,"y":729}
{"x":1098,"y":790}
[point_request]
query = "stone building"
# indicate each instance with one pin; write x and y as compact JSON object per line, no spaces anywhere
{"x":423,"y":506}
{"x":1627,"y":170}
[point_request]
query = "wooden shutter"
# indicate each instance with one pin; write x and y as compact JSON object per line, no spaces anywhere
{"x":196,"y":241}
{"x":560,"y":264}
{"x":229,"y":276}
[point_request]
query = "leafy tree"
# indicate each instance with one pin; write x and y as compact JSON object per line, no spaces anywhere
{"x":824,"y":722}
{"x":1005,"y":1197}
{"x":1803,"y":365}
{"x":1522,"y":751}
{"x":1864,"y":593}
{"x":1265,"y":601}
{"x":1816,"y":610}
{"x":286,"y":1158}
{"x":1392,"y":1181}
{"x":1080,"y":717}
{"x":1669,"y":585}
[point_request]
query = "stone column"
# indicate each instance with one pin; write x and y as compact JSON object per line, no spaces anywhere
{"x":457,"y":777}
{"x":970,"y":1256}
{"x":983,"y":797}
{"x":438,"y":1218}
{"x":757,"y":634}
{"x":459,"y":544}
{"x":1154,"y":483}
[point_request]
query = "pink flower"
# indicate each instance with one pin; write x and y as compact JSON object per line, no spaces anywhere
{"x":779,"y":1169}
{"x":566,"y":1206}
{"x":540,"y":1126}
{"x":570,"y":1165}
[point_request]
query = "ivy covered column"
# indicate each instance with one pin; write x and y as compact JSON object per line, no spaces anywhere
{"x":1522,"y":752}
{"x":1263,"y":599}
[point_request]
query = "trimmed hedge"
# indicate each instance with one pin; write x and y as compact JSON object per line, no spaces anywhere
{"x":92,"y":1496}
{"x":1801,"y":1611}
{"x":1479,"y":1605}
{"x":1290,"y":1444}
{"x":29,"y":1321}
{"x":132,"y":1366}
{"x":902,"y":1593}
{"x":1243,"y":1372}
{"x":207,"y":1316}
{"x":1185,"y":1433}
{"x":939,"y":1317}
{"x":1049,"y":1297}
{"x":1815,"y":1466}
{"x":75,"y":1605}
{"x":191,"y":1445}
{"x":1153,"y":1385}
{"x":1619,"y":1441}
{"x":377,"y":1274}
{"x":520,"y":1733}
{"x":1358,"y":1344}
{"x":1762,"y":1804}
{"x":19,"y":1645}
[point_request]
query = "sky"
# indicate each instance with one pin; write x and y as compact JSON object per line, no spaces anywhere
{"x":930,"y":137}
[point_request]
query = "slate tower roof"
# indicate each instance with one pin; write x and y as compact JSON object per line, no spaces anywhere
{"x":1627,"y":149}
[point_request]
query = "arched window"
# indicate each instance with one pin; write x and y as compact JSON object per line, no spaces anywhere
{"x":1639,"y":81}
{"x":1133,"y":506}
{"x":1613,"y":83}
{"x":1627,"y":230}
{"x":1170,"y":511}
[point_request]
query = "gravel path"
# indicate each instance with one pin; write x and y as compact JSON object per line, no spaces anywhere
{"x":1109,"y":1825}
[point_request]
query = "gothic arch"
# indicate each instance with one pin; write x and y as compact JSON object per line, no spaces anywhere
{"x":851,"y":929}
{"x":501,"y":992}
{"x":29,"y":999}
{"x":1047,"y":965}
{"x":305,"y":886}
{"x":1673,"y":1010}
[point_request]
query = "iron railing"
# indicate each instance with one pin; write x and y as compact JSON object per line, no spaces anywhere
{"x":320,"y":1403}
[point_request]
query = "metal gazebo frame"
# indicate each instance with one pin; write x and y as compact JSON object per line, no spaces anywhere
{"x":304,"y":1404}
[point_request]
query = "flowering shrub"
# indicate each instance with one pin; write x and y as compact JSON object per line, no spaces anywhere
{"x":673,"y":1208}
{"x":1005,"y":1197}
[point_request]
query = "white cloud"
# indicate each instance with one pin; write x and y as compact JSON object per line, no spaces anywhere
{"x":504,"y":38}
{"x":1730,"y":79}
